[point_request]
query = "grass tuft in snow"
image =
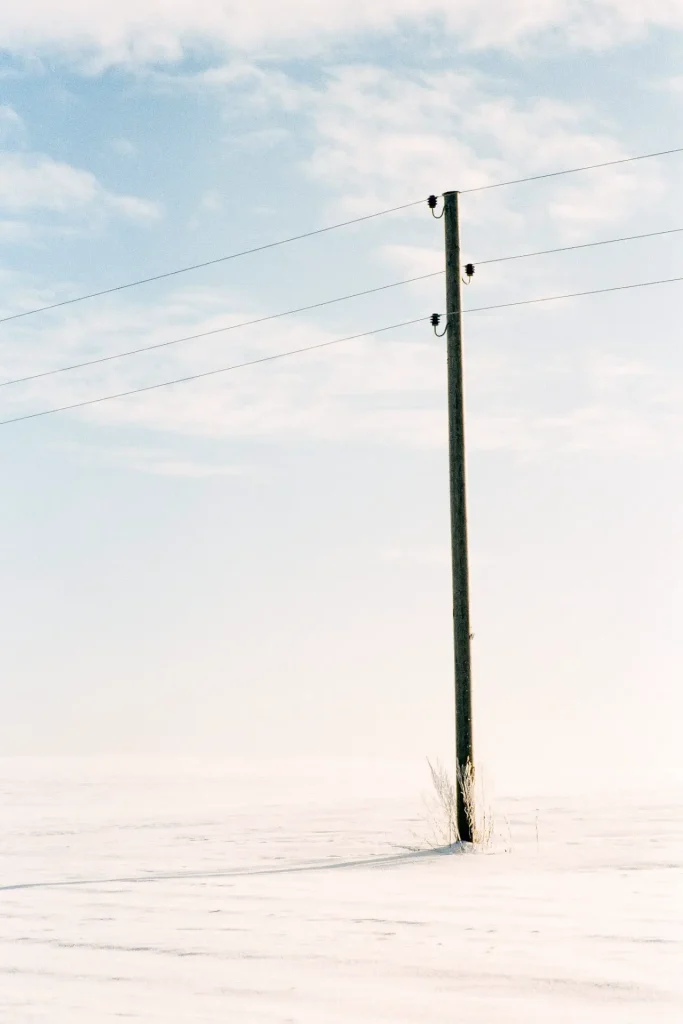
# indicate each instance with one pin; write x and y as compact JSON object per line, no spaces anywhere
{"x":441,"y":808}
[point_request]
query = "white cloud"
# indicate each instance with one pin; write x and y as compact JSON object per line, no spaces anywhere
{"x":211,"y":202}
{"x":376,"y":138}
{"x":673,"y":84}
{"x":15,"y":231}
{"x":29,"y":183}
{"x":413,"y":260}
{"x":124,"y":148}
{"x":165,"y":461}
{"x":10,"y":123}
{"x":133,"y":207}
{"x":365,"y":388}
{"x":187,"y":469}
{"x":34,"y":182}
{"x":380,"y":137}
{"x":161,"y":30}
{"x":387,"y":389}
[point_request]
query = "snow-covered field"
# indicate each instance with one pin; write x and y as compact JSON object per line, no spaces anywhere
{"x":187,"y":892}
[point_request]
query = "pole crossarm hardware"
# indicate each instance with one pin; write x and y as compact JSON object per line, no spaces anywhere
{"x":435,"y":320}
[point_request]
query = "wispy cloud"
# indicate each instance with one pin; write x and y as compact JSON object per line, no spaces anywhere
{"x":377,"y":130}
{"x":372,"y":136}
{"x":32,"y":182}
{"x":10,"y":123}
{"x":155,"y":461}
{"x":388,"y":389}
{"x":369,"y":137}
{"x":673,"y":84}
{"x":124,"y":148}
{"x":131,"y":33}
{"x":15,"y":231}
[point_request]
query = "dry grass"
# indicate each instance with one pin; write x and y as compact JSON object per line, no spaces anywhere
{"x":442,"y":815}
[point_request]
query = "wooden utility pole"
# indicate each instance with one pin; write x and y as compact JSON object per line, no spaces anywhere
{"x":456,"y":452}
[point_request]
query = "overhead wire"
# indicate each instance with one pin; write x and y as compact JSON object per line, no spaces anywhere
{"x":327,"y":344}
{"x":581,"y":245}
{"x":319,"y":231}
{"x":209,"y":263}
{"x":217,"y":330}
{"x":574,"y":295}
{"x":318,"y":305}
{"x":213,"y":373}
{"x":573,"y":170}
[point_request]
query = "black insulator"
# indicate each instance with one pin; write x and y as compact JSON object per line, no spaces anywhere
{"x":431,"y":202}
{"x":469,"y":269}
{"x":435,"y":319}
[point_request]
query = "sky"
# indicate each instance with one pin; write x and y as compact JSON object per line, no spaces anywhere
{"x":257,"y":563}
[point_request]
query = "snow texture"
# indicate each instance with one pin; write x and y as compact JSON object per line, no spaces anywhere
{"x":186,"y":892}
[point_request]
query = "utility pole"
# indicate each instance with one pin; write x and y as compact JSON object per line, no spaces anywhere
{"x":459,"y":559}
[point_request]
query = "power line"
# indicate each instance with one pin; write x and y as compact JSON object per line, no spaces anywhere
{"x":211,"y":373}
{"x":574,"y":295}
{"x":342,"y":298}
{"x":318,"y":305}
{"x":209,"y":263}
{"x":583,"y":245}
{"x":217,"y":330}
{"x":573,"y":170}
{"x":327,"y":344}
{"x":319,"y":231}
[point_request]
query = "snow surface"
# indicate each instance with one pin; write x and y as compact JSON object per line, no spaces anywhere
{"x":188,"y":892}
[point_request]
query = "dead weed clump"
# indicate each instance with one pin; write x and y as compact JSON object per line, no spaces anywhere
{"x":441,"y":807}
